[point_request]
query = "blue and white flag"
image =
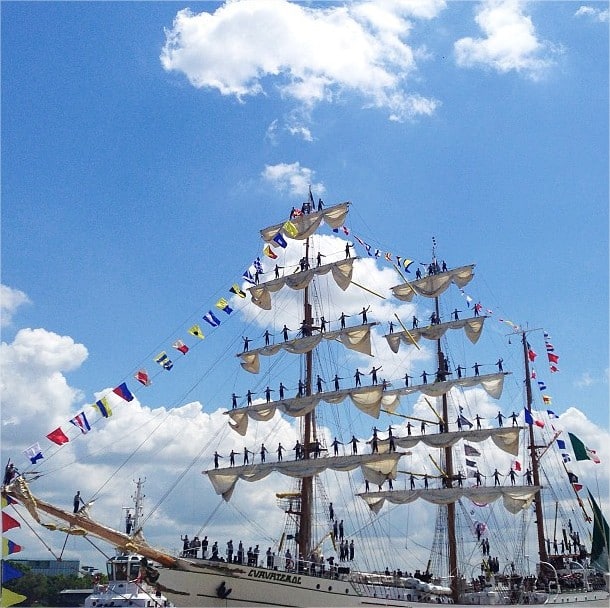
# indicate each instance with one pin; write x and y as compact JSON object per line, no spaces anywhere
{"x":34,"y":453}
{"x":248,"y":277}
{"x":280,"y":240}
{"x":211,"y":319}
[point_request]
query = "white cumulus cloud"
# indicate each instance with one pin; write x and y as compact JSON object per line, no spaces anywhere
{"x":309,"y":55}
{"x":509,"y":42}
{"x":10,"y":300}
{"x":291,"y":178}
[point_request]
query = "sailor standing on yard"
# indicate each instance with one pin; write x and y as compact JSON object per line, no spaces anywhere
{"x":363,"y":313}
{"x":264,"y":451}
{"x":232,"y":458}
{"x":500,"y":418}
{"x":78,"y":501}
{"x":336,"y":443}
{"x":247,"y":452}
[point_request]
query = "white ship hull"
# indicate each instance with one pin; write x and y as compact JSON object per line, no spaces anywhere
{"x":202,"y":583}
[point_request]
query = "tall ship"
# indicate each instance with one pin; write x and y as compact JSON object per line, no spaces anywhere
{"x":377,"y":449}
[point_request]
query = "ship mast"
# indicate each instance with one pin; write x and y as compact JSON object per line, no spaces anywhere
{"x":138,"y":499}
{"x":305,"y":524}
{"x":448,"y":453}
{"x":542,"y":553}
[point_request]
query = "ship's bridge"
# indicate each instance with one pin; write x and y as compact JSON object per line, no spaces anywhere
{"x":124,"y":567}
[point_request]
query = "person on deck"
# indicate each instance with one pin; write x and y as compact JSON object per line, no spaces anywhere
{"x":186,"y":543}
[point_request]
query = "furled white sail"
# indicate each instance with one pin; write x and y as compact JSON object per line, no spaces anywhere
{"x":341,"y":272}
{"x":376,"y":468}
{"x":515,"y":498}
{"x":491,"y":383}
{"x":307,"y":224}
{"x":434,"y":285}
{"x":355,"y":338}
{"x":367,"y":399}
{"x":472,"y":328}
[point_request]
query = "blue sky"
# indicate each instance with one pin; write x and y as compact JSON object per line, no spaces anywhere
{"x":144,"y":145}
